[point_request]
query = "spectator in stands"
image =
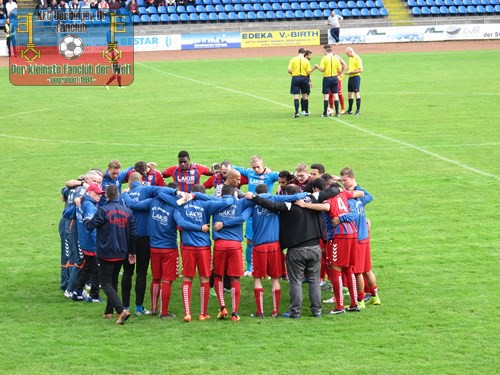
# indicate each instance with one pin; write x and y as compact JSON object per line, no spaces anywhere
{"x":10,"y":40}
{"x":94,"y":4}
{"x":85,"y":4}
{"x":2,"y":10}
{"x":334,"y":23}
{"x":114,"y":5}
{"x":133,"y":7}
{"x":149,"y":3}
{"x":103,"y":8}
{"x":62,"y":6}
{"x":159,"y":3}
{"x":53,"y":6}
{"x":10,"y":7}
{"x":171,"y":2}
{"x":74,"y":6}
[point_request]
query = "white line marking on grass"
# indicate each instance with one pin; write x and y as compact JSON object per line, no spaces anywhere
{"x":421,"y":149}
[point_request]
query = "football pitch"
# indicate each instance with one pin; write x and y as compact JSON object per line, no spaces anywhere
{"x":426,"y":147}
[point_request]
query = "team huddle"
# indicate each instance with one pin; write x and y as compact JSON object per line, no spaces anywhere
{"x":317,"y":218}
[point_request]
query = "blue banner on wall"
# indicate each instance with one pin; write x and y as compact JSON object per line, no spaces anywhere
{"x":210,"y":41}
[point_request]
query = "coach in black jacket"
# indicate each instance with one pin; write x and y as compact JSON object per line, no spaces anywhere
{"x":300,"y":233}
{"x":116,"y":240}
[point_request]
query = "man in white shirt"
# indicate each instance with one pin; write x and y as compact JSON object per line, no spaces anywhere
{"x":334,"y":23}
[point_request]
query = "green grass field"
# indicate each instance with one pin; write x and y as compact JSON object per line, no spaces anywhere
{"x":426,"y":146}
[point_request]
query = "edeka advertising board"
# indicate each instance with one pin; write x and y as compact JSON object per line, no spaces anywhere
{"x":210,"y":41}
{"x":280,"y":38}
{"x":66,"y":48}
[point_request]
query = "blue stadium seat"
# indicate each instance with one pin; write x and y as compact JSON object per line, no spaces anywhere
{"x":183,"y":17}
{"x":174,"y":18}
{"x":415,"y":11}
{"x":152,"y":10}
{"x":412,"y":3}
{"x":346,"y":13}
{"x":219,"y":8}
{"x":141,"y":3}
{"x":370,"y":4}
{"x":326,"y":13}
{"x":295,"y":6}
{"x":332,"y":5}
{"x":365,"y":12}
{"x":248,"y":7}
{"x":266,"y":7}
{"x":207,"y":2}
{"x":232,"y":17}
{"x":200,"y":9}
{"x":162,"y":9}
{"x":155,"y":18}
{"x":351,"y":4}
{"x":323,"y":5}
{"x":210,"y":8}
{"x":276,"y":6}
{"x":457,"y":3}
{"x":318,"y":14}
{"x":164,"y":18}
{"x":356,"y":13}
{"x":425,"y":11}
{"x":228,"y":8}
{"x":171,"y":9}
{"x":494,"y":2}
{"x":212,"y":17}
{"x":299,"y":14}
{"x":280,"y":15}
{"x":480,"y":9}
{"x":444,"y":11}
{"x":136,"y":19}
{"x":143,"y":10}
{"x":421,"y":3}
{"x":181,"y":9}
{"x":242,"y":16}
{"x":497,"y":8}
{"x":439,"y":3}
{"x":435,"y":11}
{"x":193,"y":17}
{"x":430,"y":3}
{"x":360,"y":4}
{"x":466,"y":3}
{"x":342,"y":4}
{"x":251,"y":16}
{"x":257,"y":7}
{"x":261,"y":16}
{"x":270,"y":15}
{"x":313,"y":5}
{"x":379,"y":3}
{"x":215,"y":2}
{"x":462,"y":10}
{"x":471,"y":9}
{"x":203,"y":17}
{"x":145,"y":19}
{"x":286,"y":6}
{"x":289,"y":14}
{"x":190,"y":9}
{"x":383,"y":12}
{"x":476,"y":2}
{"x":308,"y":14}
{"x":375,"y":12}
{"x":453,"y":10}
{"x":222,"y":16}
{"x":448,"y":3}
{"x":239,"y":7}
{"x":304,"y":5}
{"x":490,"y":9}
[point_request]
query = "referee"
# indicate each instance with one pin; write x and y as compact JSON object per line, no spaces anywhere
{"x":354,"y":72}
{"x":300,"y":68}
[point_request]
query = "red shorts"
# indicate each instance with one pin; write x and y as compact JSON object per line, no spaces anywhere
{"x":193,"y":257}
{"x":228,"y":259}
{"x":341,"y":251}
{"x":266,"y":260}
{"x":165,"y":264}
{"x":364,"y":247}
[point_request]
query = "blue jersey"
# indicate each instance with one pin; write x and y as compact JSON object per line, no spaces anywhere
{"x":87,"y":211}
{"x":198,"y":212}
{"x":255,"y":179}
{"x":233,"y":218}
{"x":118,"y":181}
{"x":137,"y":193}
{"x":359,"y":206}
{"x":265,"y":223}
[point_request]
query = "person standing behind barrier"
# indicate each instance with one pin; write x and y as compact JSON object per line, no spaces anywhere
{"x":354,"y":72}
{"x":334,"y":23}
{"x":300,"y":69}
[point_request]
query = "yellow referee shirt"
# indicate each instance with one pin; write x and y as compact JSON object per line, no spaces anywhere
{"x":299,"y":66}
{"x":355,"y":63}
{"x":330,"y":65}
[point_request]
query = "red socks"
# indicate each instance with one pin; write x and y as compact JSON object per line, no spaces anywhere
{"x":187,"y":287}
{"x":259,"y":300}
{"x":166,"y":291}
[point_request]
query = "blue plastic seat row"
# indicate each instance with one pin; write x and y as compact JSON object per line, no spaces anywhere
{"x":439,"y":3}
{"x":455,"y":10}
